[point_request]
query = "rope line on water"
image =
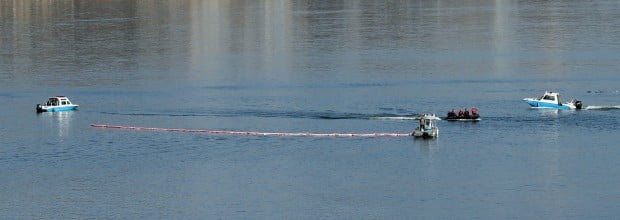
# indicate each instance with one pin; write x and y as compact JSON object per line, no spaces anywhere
{"x":252,"y":133}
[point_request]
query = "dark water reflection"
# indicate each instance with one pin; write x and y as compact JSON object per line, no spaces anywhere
{"x":301,"y":41}
{"x":308,"y":66}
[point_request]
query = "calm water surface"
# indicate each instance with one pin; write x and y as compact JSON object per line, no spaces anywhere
{"x":308,"y":66}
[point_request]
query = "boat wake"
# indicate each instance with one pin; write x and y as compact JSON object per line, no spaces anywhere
{"x":602,"y":107}
{"x":394,"y":118}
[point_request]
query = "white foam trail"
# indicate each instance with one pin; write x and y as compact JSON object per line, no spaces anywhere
{"x":395,"y":118}
{"x":602,"y":107}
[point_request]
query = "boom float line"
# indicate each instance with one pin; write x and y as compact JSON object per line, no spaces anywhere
{"x":252,"y":133}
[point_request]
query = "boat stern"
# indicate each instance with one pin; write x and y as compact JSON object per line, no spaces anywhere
{"x":425,"y":133}
{"x":40,"y":108}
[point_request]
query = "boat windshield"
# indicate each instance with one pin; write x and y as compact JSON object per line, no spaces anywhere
{"x":425,"y":124}
{"x":52,"y":102}
{"x":549,"y":97}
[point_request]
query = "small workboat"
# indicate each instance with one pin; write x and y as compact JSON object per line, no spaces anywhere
{"x":463,"y":115}
{"x":552,"y":100}
{"x":428,"y":127}
{"x":57,"y":104}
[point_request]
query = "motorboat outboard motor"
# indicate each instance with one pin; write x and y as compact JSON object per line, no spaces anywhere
{"x":577,"y":104}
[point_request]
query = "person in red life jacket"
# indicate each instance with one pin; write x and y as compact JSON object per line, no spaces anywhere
{"x":474,"y":111}
{"x":460,"y":113}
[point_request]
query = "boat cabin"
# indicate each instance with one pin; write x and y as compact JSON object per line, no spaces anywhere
{"x":551,"y":97}
{"x":427,"y":124}
{"x":57,"y":101}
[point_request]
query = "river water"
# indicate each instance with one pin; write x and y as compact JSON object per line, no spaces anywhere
{"x":309,"y":66}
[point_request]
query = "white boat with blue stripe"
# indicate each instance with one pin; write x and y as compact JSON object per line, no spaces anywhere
{"x":552,"y":100}
{"x":57,"y":104}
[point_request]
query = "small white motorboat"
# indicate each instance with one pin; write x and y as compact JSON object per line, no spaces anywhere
{"x":57,"y":104}
{"x":428,"y":127}
{"x":552,"y":100}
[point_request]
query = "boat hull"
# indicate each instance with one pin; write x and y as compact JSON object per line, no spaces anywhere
{"x":474,"y":118}
{"x":463,"y":119}
{"x":56,"y":108}
{"x":537,"y":104}
{"x":431,"y":133}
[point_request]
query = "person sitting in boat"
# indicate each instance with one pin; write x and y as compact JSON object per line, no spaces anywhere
{"x":460,"y":113}
{"x":451,"y":114}
{"x":466,"y":113}
{"x":474,"y":111}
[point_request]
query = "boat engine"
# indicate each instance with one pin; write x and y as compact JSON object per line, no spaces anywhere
{"x":39,"y":108}
{"x":577,"y":104}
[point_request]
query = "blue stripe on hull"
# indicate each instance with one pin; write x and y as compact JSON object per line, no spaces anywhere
{"x":546,"y":105}
{"x":533,"y":103}
{"x":60,"y":109}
